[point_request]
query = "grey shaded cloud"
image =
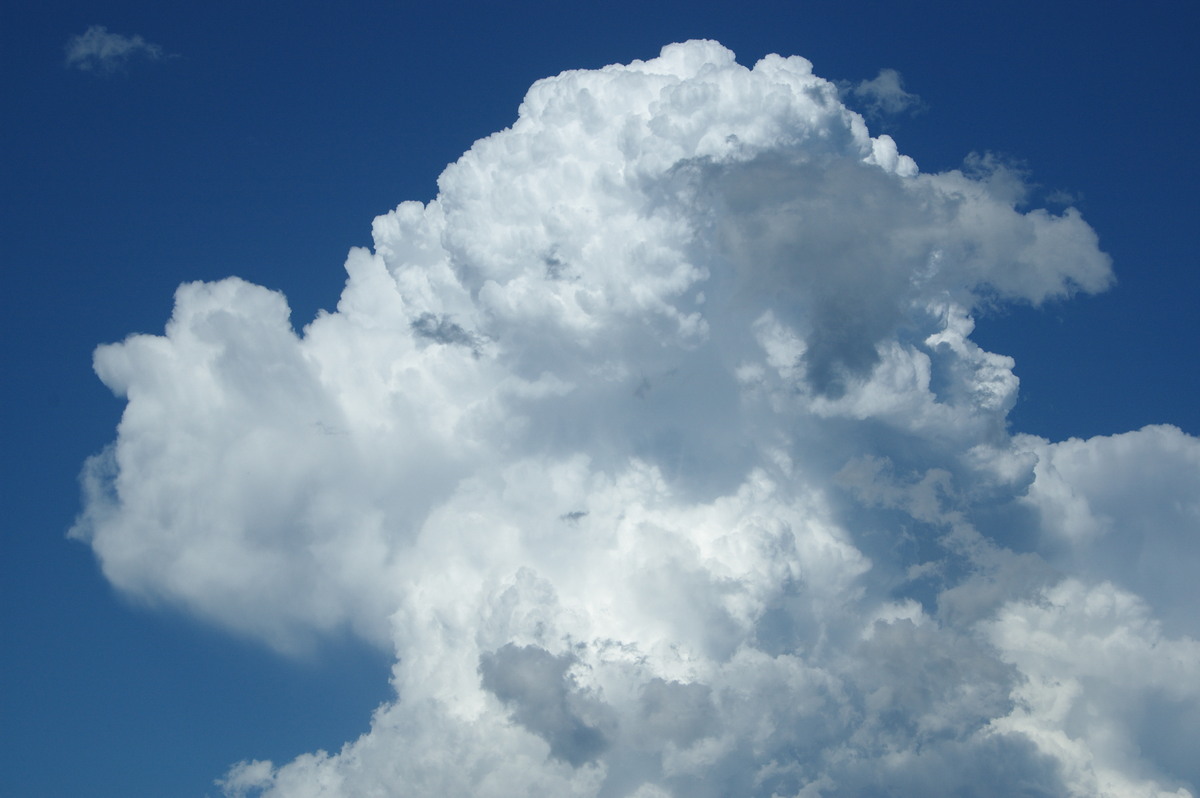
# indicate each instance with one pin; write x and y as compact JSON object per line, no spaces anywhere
{"x":679,"y":712}
{"x":884,"y":95}
{"x":442,"y":330}
{"x":538,"y":688}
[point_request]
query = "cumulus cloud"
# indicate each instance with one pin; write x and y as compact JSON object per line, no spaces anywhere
{"x":1125,"y":509}
{"x":658,"y":450}
{"x":98,"y":50}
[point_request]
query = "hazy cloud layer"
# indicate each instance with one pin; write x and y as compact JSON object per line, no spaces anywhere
{"x":98,"y":50}
{"x":658,"y":449}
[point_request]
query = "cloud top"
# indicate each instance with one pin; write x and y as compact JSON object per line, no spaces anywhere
{"x":99,"y":50}
{"x":658,"y":450}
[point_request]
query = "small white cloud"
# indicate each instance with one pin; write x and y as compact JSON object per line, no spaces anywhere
{"x":98,"y":50}
{"x":884,"y":95}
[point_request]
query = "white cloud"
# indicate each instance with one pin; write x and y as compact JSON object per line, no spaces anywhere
{"x":1126,"y":509}
{"x":1097,"y":674}
{"x":96,"y":49}
{"x":658,"y":450}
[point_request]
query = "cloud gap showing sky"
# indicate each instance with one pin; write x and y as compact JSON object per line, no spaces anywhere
{"x":658,"y":450}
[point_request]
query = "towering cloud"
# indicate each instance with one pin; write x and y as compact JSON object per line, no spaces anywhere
{"x":658,"y":449}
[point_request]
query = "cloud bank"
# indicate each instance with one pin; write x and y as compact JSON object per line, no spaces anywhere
{"x":98,"y":50}
{"x":658,"y":449}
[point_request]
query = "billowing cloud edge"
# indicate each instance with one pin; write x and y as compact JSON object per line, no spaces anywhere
{"x":658,"y":449}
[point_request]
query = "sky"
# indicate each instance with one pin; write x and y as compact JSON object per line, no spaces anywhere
{"x":657,"y":431}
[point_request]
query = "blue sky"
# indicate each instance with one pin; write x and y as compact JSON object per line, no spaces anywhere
{"x":260,"y":141}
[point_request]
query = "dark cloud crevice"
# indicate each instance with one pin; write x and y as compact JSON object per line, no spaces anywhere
{"x":540,"y":692}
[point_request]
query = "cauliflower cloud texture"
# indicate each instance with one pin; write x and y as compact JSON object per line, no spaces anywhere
{"x":658,"y":449}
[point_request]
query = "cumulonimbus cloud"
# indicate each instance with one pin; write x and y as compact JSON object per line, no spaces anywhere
{"x":658,"y":449}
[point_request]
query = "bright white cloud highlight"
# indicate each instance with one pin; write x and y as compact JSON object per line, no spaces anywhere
{"x":658,"y":449}
{"x":98,"y":50}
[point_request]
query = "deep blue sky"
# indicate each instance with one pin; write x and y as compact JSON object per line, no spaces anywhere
{"x":274,"y":133}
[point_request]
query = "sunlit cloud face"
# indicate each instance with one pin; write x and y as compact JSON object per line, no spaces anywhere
{"x":658,"y":450}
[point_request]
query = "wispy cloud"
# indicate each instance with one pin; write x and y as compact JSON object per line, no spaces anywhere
{"x":884,"y":95}
{"x":98,"y":50}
